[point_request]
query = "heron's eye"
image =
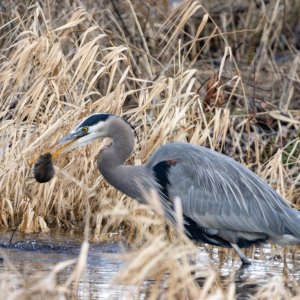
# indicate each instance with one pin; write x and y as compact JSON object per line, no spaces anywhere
{"x":85,"y":129}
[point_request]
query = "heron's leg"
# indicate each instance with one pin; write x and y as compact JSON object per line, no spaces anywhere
{"x":243,"y":257}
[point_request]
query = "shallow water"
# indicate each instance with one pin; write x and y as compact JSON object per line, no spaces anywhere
{"x":30,"y":254}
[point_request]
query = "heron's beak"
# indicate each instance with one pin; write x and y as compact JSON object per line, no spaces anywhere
{"x":63,"y":145}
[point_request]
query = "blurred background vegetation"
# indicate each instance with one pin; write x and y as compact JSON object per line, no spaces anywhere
{"x":223,"y":74}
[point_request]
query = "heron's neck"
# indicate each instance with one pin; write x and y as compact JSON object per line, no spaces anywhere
{"x":111,"y":159}
{"x":122,"y":145}
{"x":131,"y":180}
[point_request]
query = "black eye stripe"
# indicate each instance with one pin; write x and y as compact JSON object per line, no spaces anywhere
{"x":94,"y":119}
{"x":99,"y":117}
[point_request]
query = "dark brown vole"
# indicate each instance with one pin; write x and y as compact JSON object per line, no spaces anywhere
{"x":43,"y":169}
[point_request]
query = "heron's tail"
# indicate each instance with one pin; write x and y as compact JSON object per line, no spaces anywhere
{"x":291,"y":229}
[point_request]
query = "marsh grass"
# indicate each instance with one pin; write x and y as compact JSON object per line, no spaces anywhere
{"x":220,"y":75}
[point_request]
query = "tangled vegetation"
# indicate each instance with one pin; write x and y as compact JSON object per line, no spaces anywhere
{"x":223,"y":74}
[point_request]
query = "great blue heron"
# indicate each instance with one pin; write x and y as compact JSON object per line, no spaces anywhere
{"x":223,"y":203}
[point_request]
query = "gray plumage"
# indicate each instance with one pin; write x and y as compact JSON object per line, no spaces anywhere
{"x":223,"y":203}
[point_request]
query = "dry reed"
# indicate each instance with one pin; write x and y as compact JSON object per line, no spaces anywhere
{"x":184,"y":77}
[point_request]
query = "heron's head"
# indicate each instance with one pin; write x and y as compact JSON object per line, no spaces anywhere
{"x":93,"y":127}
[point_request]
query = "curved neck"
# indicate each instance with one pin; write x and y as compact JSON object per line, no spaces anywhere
{"x":122,"y":145}
{"x":112,"y":158}
{"x":131,"y":180}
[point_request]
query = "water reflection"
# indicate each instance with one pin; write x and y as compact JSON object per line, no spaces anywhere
{"x":265,"y":267}
{"x":30,"y":254}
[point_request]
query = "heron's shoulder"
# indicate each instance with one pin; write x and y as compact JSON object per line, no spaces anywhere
{"x":185,"y":152}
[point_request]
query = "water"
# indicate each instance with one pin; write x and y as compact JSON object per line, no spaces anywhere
{"x":267,"y":266}
{"x":30,"y":254}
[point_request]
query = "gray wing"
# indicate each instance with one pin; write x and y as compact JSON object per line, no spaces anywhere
{"x":218,"y":192}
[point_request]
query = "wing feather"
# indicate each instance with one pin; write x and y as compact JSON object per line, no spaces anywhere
{"x":218,"y":192}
